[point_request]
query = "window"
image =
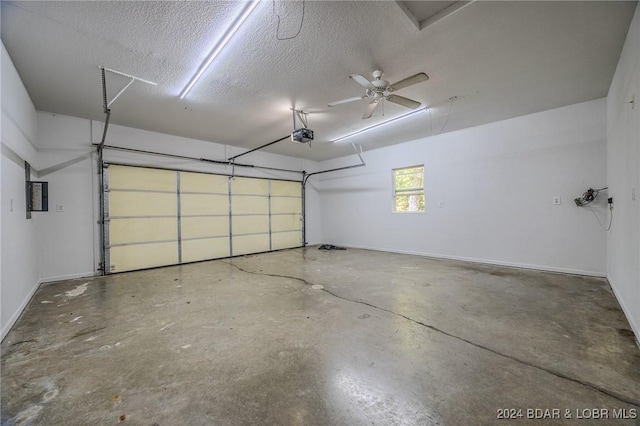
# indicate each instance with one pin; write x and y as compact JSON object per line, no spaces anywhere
{"x":408,"y":189}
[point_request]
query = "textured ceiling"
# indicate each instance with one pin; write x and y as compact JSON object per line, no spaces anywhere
{"x":501,"y":60}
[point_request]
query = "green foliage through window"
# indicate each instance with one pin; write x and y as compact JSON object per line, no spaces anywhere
{"x":408,"y":191}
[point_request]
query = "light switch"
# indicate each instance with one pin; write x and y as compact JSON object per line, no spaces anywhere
{"x":441,"y":204}
{"x":59,"y":207}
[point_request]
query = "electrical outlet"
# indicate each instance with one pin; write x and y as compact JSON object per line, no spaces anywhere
{"x":59,"y":208}
{"x":441,"y":204}
{"x":557,"y":201}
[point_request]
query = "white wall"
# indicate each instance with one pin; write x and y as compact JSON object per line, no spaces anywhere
{"x":623,"y":176}
{"x":497,"y":182}
{"x":19,"y":276}
{"x":66,"y":237}
{"x":70,"y":241}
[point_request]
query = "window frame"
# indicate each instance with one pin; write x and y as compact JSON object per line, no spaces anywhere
{"x":405,"y":192}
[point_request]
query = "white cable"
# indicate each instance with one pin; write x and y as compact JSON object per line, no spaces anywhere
{"x":445,"y":122}
{"x":431,"y":122}
{"x":598,"y":219}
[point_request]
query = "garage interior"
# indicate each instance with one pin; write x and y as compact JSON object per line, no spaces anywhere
{"x":223,"y":212}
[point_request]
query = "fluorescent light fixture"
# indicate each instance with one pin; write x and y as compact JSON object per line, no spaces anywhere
{"x":384,"y":123}
{"x":220,"y":45}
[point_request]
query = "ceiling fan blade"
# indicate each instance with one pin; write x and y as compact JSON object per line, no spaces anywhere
{"x":362,"y":81}
{"x":405,"y":102}
{"x":370,"y":108}
{"x":344,"y":101}
{"x":409,"y":81}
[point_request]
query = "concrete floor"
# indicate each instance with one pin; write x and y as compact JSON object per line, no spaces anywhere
{"x":390,"y":339}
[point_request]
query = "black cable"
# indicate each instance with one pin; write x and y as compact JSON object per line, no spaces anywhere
{"x":278,"y":28}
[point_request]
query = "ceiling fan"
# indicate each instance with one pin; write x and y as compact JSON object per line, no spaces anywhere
{"x":380,"y":89}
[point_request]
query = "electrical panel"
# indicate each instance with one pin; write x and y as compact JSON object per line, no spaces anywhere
{"x":37,"y":196}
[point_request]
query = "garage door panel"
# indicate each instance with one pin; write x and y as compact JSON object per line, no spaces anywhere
{"x":282,"y":240}
{"x":144,"y":217}
{"x":250,"y":224}
{"x":286,"y":222}
{"x":125,"y":203}
{"x":246,"y":244}
{"x":284,"y":188}
{"x":249,"y":205}
{"x":140,"y":256}
{"x":204,"y":249}
{"x":206,"y":226}
{"x":123,"y":231}
{"x":192,"y":204}
{"x":202,"y":182}
{"x":123,"y":177}
{"x":249,"y":186}
{"x":286,"y":205}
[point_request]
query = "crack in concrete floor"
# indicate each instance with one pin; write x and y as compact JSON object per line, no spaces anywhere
{"x":610,"y":393}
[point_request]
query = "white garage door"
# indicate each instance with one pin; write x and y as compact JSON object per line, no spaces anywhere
{"x":156,"y":217}
{"x":286,"y":214}
{"x":204,"y":216}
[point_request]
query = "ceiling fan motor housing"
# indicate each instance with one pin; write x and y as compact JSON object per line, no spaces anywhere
{"x":380,"y":84}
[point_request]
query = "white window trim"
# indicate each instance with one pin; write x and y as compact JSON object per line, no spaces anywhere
{"x":409,"y":191}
